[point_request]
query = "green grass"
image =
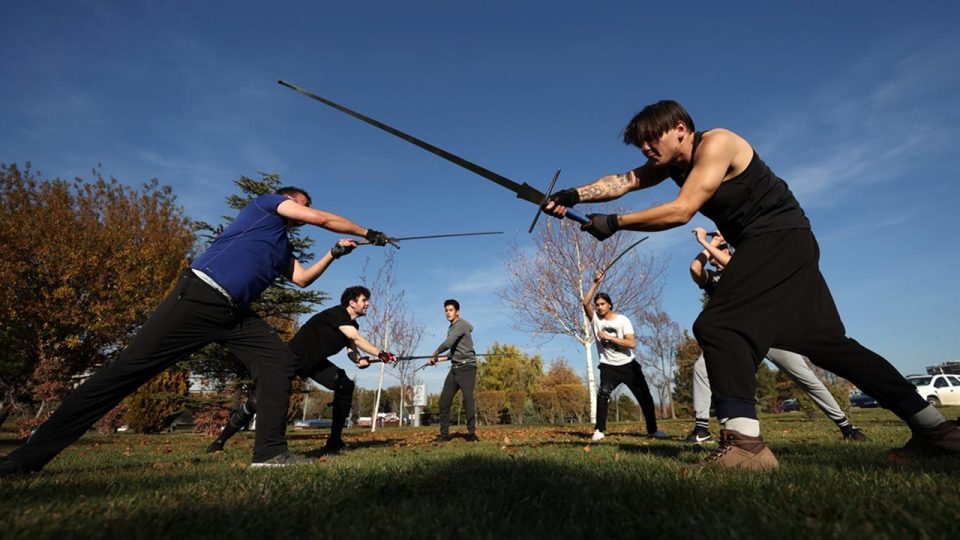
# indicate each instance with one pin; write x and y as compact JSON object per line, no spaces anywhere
{"x":519,"y":482}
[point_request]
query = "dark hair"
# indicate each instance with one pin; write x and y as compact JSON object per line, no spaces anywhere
{"x":654,"y":120}
{"x":452,"y":302}
{"x":605,"y":296}
{"x":293,"y":190}
{"x":352,"y":293}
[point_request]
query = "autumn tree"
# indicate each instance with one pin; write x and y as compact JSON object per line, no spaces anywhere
{"x":83,"y":264}
{"x":685,"y":357}
{"x":507,"y":369}
{"x":390,"y":324}
{"x":562,"y":395}
{"x":658,"y":338}
{"x":546,"y":286}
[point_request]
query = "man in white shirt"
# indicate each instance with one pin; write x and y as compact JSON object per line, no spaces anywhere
{"x":615,"y":343}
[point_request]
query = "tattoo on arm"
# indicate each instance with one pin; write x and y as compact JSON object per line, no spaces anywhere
{"x":606,"y":188}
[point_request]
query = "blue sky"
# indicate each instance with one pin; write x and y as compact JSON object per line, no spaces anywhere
{"x":855,"y":104}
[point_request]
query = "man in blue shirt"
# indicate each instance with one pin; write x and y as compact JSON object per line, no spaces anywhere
{"x":211,"y":303}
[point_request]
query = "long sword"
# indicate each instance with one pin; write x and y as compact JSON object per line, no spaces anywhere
{"x":524,"y":191}
{"x":430,"y":236}
{"x":624,"y":252}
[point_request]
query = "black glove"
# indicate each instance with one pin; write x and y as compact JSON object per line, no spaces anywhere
{"x":566,"y":197}
{"x":339,"y":251}
{"x":377,"y":238}
{"x":601,"y":226}
{"x":386,"y":357}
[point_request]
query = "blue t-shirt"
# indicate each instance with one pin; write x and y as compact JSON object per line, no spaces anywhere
{"x":251,"y":252}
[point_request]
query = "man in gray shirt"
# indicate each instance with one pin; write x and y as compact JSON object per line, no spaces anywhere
{"x":463,"y":371}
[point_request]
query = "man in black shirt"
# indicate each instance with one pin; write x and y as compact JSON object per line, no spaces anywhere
{"x":323,"y":336}
{"x":771,"y":295}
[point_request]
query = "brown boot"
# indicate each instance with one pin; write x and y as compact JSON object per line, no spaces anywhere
{"x":940,"y":440}
{"x":738,"y":451}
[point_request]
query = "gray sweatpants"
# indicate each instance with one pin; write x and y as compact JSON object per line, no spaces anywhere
{"x":793,"y":364}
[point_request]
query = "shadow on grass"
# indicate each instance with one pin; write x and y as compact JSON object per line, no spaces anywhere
{"x":564,"y":495}
{"x":665,"y":451}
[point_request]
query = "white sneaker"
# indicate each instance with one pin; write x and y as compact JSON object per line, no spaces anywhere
{"x":597,"y":436}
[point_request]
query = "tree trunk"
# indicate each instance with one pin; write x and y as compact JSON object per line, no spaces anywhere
{"x":591,"y":383}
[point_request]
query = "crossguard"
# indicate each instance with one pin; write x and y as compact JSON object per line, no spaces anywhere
{"x":572,"y":214}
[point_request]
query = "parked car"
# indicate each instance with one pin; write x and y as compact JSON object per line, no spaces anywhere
{"x":938,"y":389}
{"x":863,"y":401}
{"x":790,"y":405}
{"x":313,"y":423}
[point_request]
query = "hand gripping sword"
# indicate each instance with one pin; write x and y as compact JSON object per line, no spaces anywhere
{"x":524,"y":191}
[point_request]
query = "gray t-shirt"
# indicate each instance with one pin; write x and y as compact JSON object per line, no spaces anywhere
{"x":460,"y":342}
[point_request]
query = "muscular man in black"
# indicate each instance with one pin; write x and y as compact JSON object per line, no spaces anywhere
{"x":772,"y":293}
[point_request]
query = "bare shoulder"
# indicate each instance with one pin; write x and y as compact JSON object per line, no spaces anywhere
{"x":726,"y":146}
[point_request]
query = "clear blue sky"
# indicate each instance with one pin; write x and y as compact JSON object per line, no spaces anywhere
{"x":855,"y":104}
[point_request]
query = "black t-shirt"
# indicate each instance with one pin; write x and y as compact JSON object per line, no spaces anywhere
{"x":713,"y":277}
{"x":321,"y":337}
{"x":753,"y":202}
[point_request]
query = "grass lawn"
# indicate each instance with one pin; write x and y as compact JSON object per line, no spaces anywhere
{"x":518,"y":482}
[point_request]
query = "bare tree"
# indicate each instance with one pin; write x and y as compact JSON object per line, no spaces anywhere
{"x":660,"y":338}
{"x":391,"y":326}
{"x":546,"y":286}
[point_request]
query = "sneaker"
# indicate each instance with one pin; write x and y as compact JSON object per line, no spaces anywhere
{"x":334,"y":446}
{"x":738,"y":451}
{"x":854,"y":434}
{"x":597,"y":436}
{"x":472,"y":437}
{"x":441,"y":438}
{"x":699,"y":435}
{"x":215,"y":446}
{"x":940,"y":440}
{"x":658,"y":435}
{"x":283,"y":459}
{"x":12,"y":469}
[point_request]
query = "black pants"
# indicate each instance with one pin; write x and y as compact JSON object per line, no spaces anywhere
{"x":772,"y":294}
{"x":630,"y":374}
{"x":329,"y":375}
{"x":192,"y":316}
{"x":463,"y":377}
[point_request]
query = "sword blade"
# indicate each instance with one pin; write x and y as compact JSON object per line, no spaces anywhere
{"x":624,"y":252}
{"x":524,"y":191}
{"x":447,"y":235}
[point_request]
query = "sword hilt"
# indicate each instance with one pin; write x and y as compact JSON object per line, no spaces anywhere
{"x":572,"y":214}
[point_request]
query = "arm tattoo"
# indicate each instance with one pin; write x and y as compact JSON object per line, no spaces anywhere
{"x":608,"y":187}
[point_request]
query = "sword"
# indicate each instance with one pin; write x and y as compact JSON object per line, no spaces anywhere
{"x":393,"y":241}
{"x":624,"y":252}
{"x":524,"y":191}
{"x":408,"y":358}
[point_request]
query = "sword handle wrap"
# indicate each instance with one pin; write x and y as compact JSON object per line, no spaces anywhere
{"x":577,"y":216}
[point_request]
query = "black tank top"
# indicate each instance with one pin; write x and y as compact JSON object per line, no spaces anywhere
{"x":753,"y":202}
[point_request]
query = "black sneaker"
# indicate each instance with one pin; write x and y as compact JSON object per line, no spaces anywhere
{"x":854,"y":434}
{"x":215,"y":446}
{"x":12,"y":469}
{"x":334,"y":446}
{"x":283,"y":459}
{"x":441,"y":438}
{"x":699,"y":435}
{"x":472,"y":437}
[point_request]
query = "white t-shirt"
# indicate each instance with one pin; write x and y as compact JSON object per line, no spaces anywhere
{"x":619,"y":327}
